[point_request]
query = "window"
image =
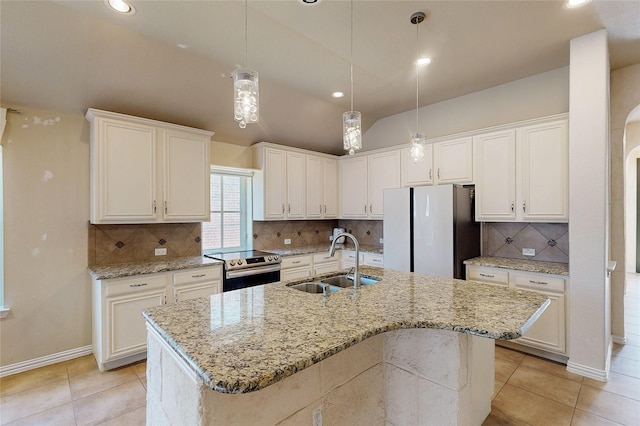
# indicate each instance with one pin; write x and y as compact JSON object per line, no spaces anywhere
{"x":230,"y":225}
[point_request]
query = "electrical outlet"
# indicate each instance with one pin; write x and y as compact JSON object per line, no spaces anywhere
{"x":162,"y":251}
{"x":381,"y":240}
{"x":316,"y":417}
{"x":528,"y":252}
{"x":287,"y":240}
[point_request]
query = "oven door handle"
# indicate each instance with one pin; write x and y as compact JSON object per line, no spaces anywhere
{"x":252,"y":271}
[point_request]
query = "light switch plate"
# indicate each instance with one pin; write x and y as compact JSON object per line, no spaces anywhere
{"x":528,"y":252}
{"x":162,"y":251}
{"x":287,"y":240}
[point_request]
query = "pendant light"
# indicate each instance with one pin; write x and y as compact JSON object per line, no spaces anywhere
{"x":418,"y":139}
{"x":351,"y":120}
{"x":246,"y":106}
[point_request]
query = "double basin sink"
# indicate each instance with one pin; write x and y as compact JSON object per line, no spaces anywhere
{"x":332,"y":284}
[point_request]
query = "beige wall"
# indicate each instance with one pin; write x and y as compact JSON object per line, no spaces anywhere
{"x":632,"y":142}
{"x":625,"y":97}
{"x":229,"y":155}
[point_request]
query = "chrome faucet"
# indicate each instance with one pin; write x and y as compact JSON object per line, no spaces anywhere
{"x":332,"y":250}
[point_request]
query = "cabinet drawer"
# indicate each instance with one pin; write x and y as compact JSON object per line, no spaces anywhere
{"x":539,"y":282}
{"x":487,"y":275}
{"x":136,"y":284}
{"x":295,"y":261}
{"x":295,"y":273}
{"x":350,"y":256}
{"x":373,"y":259}
{"x":324,"y":257}
{"x":197,"y":275}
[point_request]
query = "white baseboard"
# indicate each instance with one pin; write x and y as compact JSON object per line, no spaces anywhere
{"x":586,"y":371}
{"x":8,"y":370}
{"x":620,"y":340}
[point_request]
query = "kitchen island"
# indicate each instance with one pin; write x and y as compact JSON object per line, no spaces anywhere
{"x":409,"y":349}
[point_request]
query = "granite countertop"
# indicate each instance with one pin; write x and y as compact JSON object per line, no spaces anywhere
{"x":554,"y":268}
{"x":296,"y":251}
{"x":245,"y":340}
{"x":139,"y":268}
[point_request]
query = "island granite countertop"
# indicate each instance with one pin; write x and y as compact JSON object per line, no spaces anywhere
{"x":540,"y":267}
{"x":139,"y":268}
{"x":245,"y":340}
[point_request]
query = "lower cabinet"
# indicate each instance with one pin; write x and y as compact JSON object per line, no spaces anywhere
{"x":325,"y":264}
{"x":548,"y":333}
{"x":119,"y":332}
{"x":366,"y":259}
{"x":296,"y":267}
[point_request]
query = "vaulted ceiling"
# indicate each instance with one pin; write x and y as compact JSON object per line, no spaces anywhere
{"x":172,"y":60}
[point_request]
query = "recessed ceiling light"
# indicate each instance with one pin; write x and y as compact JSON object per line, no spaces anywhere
{"x":337,"y":94}
{"x":572,"y":4}
{"x":309,"y":2}
{"x":423,"y":61}
{"x":120,"y":6}
{"x":182,"y":46}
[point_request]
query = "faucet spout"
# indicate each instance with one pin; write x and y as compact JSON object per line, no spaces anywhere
{"x":356,"y":272}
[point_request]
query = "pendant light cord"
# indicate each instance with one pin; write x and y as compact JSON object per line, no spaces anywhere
{"x":351,"y":55}
{"x":417,"y":74}
{"x":246,"y":31}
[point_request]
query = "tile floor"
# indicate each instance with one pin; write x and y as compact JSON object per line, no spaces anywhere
{"x":528,"y":391}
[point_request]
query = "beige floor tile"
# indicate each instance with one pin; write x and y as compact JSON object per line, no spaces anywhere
{"x":140,"y":369}
{"x":609,"y":406}
{"x":109,"y":404}
{"x":33,"y":401}
{"x":581,"y":418}
{"x":550,"y":367}
{"x":95,"y":381}
{"x":531,"y":408}
{"x":632,"y":339}
{"x":497,"y":386}
{"x":553,"y":387}
{"x":619,"y":384}
{"x":82,"y":365}
{"x":32,"y":379}
{"x":509,"y":354}
{"x":61,"y":415}
{"x":137,"y":417}
{"x":626,"y":351}
{"x":504,"y":369}
{"x":626,"y":366}
{"x":498,"y":418}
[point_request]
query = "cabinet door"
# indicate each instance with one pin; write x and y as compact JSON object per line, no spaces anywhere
{"x":495,"y":184}
{"x":353,"y":183}
{"x":275,"y":183}
{"x":454,"y":161}
{"x":186,"y":177}
{"x":126,"y":331}
{"x":124,"y":172}
{"x":314,"y":197}
{"x":420,"y":172}
{"x":545,"y":172}
{"x":196,"y":290}
{"x":295,"y":185}
{"x":330,"y":187}
{"x":384,"y":172}
{"x":548,"y":332}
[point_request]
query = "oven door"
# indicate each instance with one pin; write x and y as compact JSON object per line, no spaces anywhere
{"x":234,"y":280}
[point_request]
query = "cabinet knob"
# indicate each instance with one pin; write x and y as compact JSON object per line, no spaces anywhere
{"x":282,"y":208}
{"x":165,"y":207}
{"x":438,"y":172}
{"x":154,"y":207}
{"x":524,"y":206}
{"x":430,"y":177}
{"x":512,"y":206}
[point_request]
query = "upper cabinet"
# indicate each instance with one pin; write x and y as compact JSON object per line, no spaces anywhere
{"x":522,"y":173}
{"x":363,"y":180}
{"x":146,"y":171}
{"x":449,"y":161}
{"x":293,"y":185}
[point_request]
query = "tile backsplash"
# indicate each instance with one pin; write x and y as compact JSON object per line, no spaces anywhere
{"x":368,"y":232}
{"x":549,"y":240}
{"x":110,"y":244}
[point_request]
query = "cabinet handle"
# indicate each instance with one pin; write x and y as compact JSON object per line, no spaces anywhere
{"x":538,"y":282}
{"x":370,"y":208}
{"x":512,"y":206}
{"x":325,"y":209}
{"x":430,"y":170}
{"x":438,"y":172}
{"x":154,"y":207}
{"x":296,"y":261}
{"x":320,"y":208}
{"x":365,"y":208}
{"x":289,"y":207}
{"x":282,"y":208}
{"x":486,"y":275}
{"x":198,"y":276}
{"x":165,"y":299}
{"x":137,"y":285}
{"x":165,"y":207}
{"x":524,"y":206}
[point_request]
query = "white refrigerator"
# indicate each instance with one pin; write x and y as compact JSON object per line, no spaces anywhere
{"x":430,"y":230}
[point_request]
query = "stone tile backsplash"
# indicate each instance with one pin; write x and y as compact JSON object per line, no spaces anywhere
{"x":549,"y":240}
{"x":111,"y":244}
{"x":368,"y":232}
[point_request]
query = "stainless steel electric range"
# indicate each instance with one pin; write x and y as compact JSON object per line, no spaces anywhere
{"x":248,"y":268}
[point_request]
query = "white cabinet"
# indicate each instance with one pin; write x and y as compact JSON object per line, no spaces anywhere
{"x":322,"y":187}
{"x":363,"y":180}
{"x":349,"y":259}
{"x":118,"y":328}
{"x":324,"y":264}
{"x":522,"y":174}
{"x":270,"y":187}
{"x":146,"y":171}
{"x":296,"y":185}
{"x":548,"y":333}
{"x":453,"y":161}
{"x":373,"y":259}
{"x":295,"y":267}
{"x":415,"y":173}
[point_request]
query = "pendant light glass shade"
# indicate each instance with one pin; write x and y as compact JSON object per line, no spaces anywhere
{"x":246,"y":105}
{"x":351,"y":131}
{"x":418,"y":141}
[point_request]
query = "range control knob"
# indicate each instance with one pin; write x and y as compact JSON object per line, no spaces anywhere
{"x":232,"y":262}
{"x":240,"y":262}
{"x":269,"y":258}
{"x":275,"y":257}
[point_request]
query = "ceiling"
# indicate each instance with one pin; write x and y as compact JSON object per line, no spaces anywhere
{"x":72,"y":55}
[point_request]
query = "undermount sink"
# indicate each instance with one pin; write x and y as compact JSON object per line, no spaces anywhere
{"x":317,"y":288}
{"x":347,"y":281}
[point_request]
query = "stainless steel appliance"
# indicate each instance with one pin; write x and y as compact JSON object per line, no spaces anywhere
{"x":248,"y":268}
{"x":430,"y":230}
